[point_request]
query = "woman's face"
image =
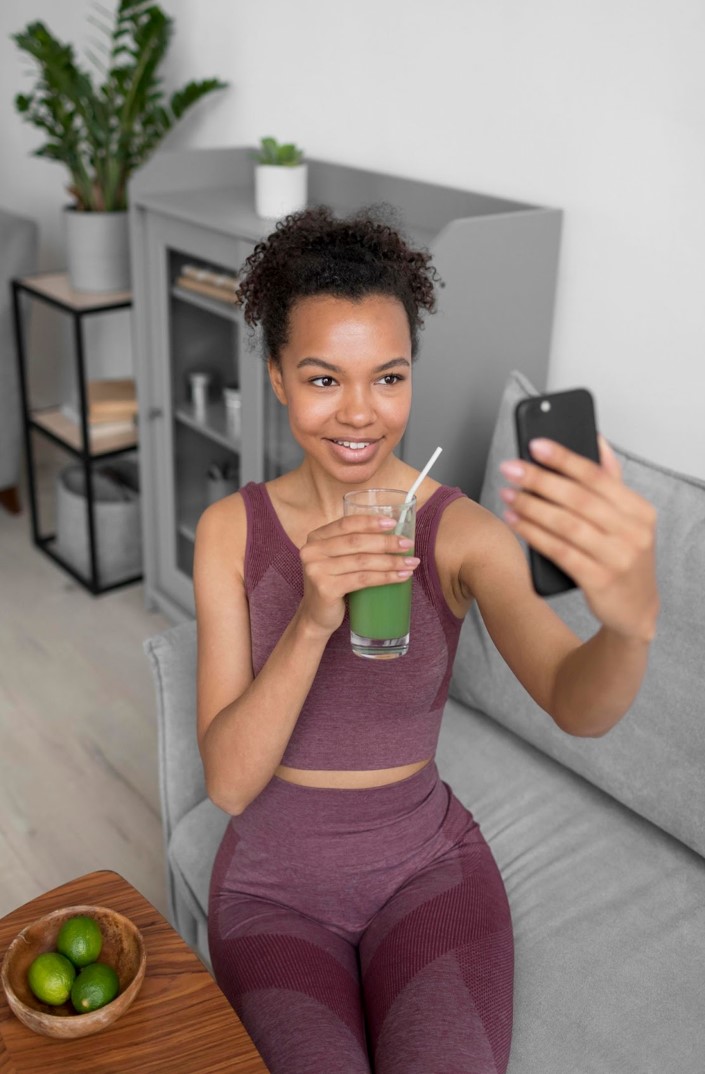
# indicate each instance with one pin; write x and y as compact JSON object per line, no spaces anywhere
{"x":345,"y":376}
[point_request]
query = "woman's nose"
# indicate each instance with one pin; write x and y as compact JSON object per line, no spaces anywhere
{"x":356,"y":409}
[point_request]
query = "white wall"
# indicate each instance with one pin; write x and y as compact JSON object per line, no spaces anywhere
{"x":594,"y":106}
{"x":37,"y":188}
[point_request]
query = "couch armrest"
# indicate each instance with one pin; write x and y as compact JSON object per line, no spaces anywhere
{"x":172,"y":655}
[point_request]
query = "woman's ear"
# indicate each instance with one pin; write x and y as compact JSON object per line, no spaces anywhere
{"x":276,"y":380}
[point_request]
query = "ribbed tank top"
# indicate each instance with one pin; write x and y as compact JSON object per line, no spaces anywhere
{"x":359,"y":714}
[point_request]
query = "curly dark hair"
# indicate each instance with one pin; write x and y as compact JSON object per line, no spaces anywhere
{"x":313,"y":252}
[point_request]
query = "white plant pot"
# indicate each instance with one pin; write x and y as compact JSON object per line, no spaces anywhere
{"x":280,"y":190}
{"x":97,"y":251}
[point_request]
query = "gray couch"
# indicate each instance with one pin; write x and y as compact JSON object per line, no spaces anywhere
{"x":600,"y":841}
{"x":19,"y":241}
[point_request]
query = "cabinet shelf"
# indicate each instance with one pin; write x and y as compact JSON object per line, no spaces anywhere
{"x":230,"y":311}
{"x":213,"y":424}
{"x":68,"y":433}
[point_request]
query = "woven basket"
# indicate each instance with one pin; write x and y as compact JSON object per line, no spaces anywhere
{"x":117,"y":520}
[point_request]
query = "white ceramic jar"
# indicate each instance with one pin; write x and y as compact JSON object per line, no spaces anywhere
{"x":280,"y":189}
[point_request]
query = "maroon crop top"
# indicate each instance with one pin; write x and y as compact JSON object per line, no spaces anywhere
{"x":359,"y":714}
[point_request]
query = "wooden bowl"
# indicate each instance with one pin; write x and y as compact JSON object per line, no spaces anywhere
{"x":123,"y":949}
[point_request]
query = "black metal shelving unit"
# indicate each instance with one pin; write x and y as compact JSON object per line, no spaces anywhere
{"x":54,"y":290}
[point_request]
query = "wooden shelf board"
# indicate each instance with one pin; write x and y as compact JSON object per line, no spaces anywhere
{"x":54,"y":421}
{"x":56,"y":286}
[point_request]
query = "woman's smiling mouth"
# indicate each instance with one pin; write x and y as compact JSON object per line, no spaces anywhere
{"x":354,"y":450}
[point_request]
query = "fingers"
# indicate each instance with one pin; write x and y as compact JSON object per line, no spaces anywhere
{"x":579,"y":564}
{"x":352,"y":553}
{"x":331,"y":578}
{"x":578,"y":513}
{"x":608,"y":459}
{"x":352,"y":524}
{"x":358,"y":543}
{"x":362,"y":563}
{"x":545,"y":525}
{"x":588,"y":484}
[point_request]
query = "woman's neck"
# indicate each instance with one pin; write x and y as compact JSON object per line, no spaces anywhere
{"x":317,"y":488}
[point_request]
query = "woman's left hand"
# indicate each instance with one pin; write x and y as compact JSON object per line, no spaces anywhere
{"x":595,"y":528}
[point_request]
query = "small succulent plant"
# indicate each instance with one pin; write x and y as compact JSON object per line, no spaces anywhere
{"x":272,"y":152}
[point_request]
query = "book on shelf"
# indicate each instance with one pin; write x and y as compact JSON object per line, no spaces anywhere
{"x":101,"y":428}
{"x":209,"y":282}
{"x":109,"y":402}
{"x":209,"y":290}
{"x":113,"y":428}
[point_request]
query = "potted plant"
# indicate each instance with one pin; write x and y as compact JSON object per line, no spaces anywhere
{"x":280,"y":179}
{"x":102,"y":133}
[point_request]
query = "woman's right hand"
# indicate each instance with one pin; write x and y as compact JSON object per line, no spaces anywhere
{"x":352,"y":553}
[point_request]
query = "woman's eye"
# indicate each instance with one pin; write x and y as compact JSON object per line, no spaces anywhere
{"x":323,"y":382}
{"x":392,"y":378}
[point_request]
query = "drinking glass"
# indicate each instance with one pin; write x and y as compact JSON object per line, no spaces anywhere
{"x":380,"y":615}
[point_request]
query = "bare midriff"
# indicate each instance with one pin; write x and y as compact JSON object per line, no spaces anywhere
{"x":376,"y":777}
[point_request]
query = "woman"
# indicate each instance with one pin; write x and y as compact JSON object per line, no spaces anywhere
{"x":357,"y":919}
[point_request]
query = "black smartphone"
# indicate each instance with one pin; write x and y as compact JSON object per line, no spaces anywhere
{"x":569,"y":418}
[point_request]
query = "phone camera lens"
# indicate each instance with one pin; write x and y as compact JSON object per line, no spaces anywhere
{"x":545,"y":406}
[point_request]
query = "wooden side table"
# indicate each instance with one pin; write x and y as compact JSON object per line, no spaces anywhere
{"x":180,"y":1023}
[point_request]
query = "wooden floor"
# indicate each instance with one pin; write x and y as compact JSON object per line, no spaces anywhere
{"x":78,"y":745}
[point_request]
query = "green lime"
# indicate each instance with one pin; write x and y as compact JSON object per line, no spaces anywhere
{"x":50,"y":977}
{"x":95,"y":986}
{"x":80,"y":939}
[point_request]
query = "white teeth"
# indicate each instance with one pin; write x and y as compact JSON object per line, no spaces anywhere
{"x":355,"y":445}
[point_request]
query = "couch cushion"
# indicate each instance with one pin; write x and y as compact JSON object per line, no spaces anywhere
{"x":653,"y":760}
{"x":608,"y":911}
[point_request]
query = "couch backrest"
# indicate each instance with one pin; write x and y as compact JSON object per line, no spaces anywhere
{"x":654,"y":759}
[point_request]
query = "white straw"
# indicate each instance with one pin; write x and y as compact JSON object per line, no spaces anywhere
{"x":408,"y":498}
{"x":422,"y":475}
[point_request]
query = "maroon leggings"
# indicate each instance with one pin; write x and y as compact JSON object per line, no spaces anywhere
{"x":364,"y":930}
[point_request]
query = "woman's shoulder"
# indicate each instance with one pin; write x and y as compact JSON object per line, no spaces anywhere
{"x":467,"y":521}
{"x":468,"y":534}
{"x":221,"y":532}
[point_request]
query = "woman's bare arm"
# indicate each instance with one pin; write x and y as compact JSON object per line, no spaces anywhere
{"x":245,"y":722}
{"x":602,"y":533}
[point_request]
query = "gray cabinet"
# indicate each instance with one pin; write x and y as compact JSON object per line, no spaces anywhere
{"x":498,"y":260}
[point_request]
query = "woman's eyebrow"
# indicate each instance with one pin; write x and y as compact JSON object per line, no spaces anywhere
{"x":322,"y":364}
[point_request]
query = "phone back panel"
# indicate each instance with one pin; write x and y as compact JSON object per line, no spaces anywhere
{"x":569,"y":418}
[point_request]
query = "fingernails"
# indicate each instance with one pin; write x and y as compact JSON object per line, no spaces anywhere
{"x":404,"y":574}
{"x":386,"y":523}
{"x":405,"y":544}
{"x":511,"y":469}
{"x":540,"y":448}
{"x":412,"y":561}
{"x":511,"y":517}
{"x":508,"y":495}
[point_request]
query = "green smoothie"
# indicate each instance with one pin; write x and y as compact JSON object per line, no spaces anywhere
{"x":381,"y":612}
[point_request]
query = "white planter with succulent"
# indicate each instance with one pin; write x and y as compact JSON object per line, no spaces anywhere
{"x":281,"y":180}
{"x":102,"y":134}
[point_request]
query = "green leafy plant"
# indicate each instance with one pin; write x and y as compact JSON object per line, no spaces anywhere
{"x":272,"y":152}
{"x":102,"y":133}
